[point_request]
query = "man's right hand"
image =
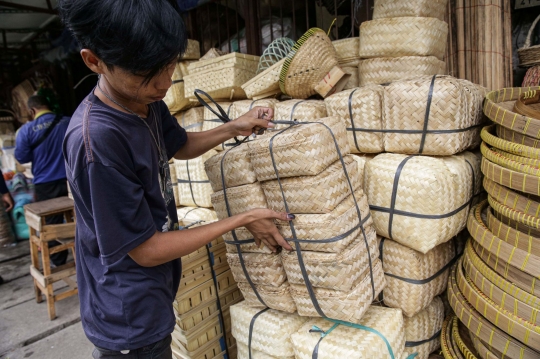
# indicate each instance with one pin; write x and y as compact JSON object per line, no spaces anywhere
{"x":264,"y":230}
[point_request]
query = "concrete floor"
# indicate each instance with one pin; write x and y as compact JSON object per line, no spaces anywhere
{"x":25,"y":328}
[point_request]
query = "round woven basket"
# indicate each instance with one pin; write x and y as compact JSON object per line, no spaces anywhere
{"x":413,"y":279}
{"x":193,"y":185}
{"x":483,"y":328}
{"x":529,"y":55}
{"x":263,"y":269}
{"x":191,"y":120}
{"x":278,"y":298}
{"x":414,"y":8}
{"x":347,"y":49}
{"x":348,"y":342}
{"x":499,"y":107}
{"x":338,"y":271}
{"x":303,"y":194}
{"x":431,"y":196}
{"x":512,"y":136}
{"x":342,"y":305}
{"x":425,"y":328}
{"x":303,"y":150}
{"x":309,"y":61}
{"x":240,"y":199}
{"x":175,"y":99}
{"x":299,"y":110}
{"x":265,"y":84}
{"x":342,"y":223}
{"x":403,"y":36}
{"x":240,"y":108}
{"x":389,"y":69}
{"x":269,"y":332}
{"x":236,"y":167}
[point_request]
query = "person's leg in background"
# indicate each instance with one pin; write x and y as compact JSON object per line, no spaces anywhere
{"x":50,"y":190}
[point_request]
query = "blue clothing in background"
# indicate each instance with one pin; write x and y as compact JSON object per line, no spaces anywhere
{"x":47,"y":160}
{"x":113,"y":170}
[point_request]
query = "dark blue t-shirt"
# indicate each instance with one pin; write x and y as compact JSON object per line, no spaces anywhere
{"x":112,"y":167}
{"x":47,"y":160}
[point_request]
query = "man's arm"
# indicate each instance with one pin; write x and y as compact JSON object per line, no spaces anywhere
{"x":23,"y":152}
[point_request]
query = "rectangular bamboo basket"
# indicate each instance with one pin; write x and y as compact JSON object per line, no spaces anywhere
{"x":385,"y":9}
{"x":191,"y":120}
{"x":193,"y":185}
{"x":175,"y":98}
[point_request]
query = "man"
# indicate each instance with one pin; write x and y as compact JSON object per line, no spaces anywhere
{"x":40,"y":142}
{"x":117,"y":149}
{"x":7,"y":201}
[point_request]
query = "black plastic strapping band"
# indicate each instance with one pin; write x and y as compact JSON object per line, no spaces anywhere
{"x":252,"y":103}
{"x":420,"y":342}
{"x":177,"y":81}
{"x":352,"y":120}
{"x":190,"y":186}
{"x":189,"y":181}
{"x":426,"y":116}
{"x":394,"y":195}
{"x":381,"y":246}
{"x":251,"y":325}
{"x":291,"y":117}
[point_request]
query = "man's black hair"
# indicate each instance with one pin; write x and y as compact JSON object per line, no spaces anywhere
{"x":37,"y":101}
{"x":139,"y":36}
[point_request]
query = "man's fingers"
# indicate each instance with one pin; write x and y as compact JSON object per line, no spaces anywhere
{"x":282,"y":242}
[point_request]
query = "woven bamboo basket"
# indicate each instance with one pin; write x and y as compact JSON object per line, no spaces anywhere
{"x":384,"y":9}
{"x":362,"y":159}
{"x":236,"y":166}
{"x":448,"y":350}
{"x":504,"y":298}
{"x":265,"y":84}
{"x":244,"y":353}
{"x":413,"y":279}
{"x":174,"y":181}
{"x":515,"y":215}
{"x":302,"y":150}
{"x":298,"y":110}
{"x":529,"y":231}
{"x":342,"y":305}
{"x":193,"y":50}
{"x":242,"y":234}
{"x":482,"y":349}
{"x":263,"y":269}
{"x":511,"y":179}
{"x":516,"y":327}
{"x":360,"y":108}
{"x":512,"y":162}
{"x":191,"y":120}
{"x":352,"y":69}
{"x":193,"y":184}
{"x":508,"y":135}
{"x":529,"y":55}
{"x":382,"y":70}
{"x":198,"y":269}
{"x":461,"y":339}
{"x":425,"y":328}
{"x":196,"y":316}
{"x":241,"y":199}
{"x":343,"y":223}
{"x":426,"y":186}
{"x":303,"y":194}
{"x":337,"y":271}
{"x":196,"y":338}
{"x":212,"y":349}
{"x":269,"y":332}
{"x":212,"y":54}
{"x":211,"y":122}
{"x":175,"y":99}
{"x":308,"y":63}
{"x":481,"y":327}
{"x":347,"y":49}
{"x":278,"y":298}
{"x":221,"y":77}
{"x":189,"y":216}
{"x":346,"y":341}
{"x":403,"y":36}
{"x":240,"y":108}
{"x":499,"y":107}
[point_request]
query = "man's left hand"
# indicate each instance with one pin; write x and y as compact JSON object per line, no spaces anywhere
{"x":253,"y":121}
{"x":8,"y":201}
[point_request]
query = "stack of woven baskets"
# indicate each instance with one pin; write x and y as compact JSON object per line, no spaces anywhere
{"x":493,"y":288}
{"x":405,"y":39}
{"x":207,"y":291}
{"x":348,"y":51}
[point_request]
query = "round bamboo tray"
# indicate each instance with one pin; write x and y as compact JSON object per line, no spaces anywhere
{"x":531,"y":162}
{"x":342,"y":305}
{"x":529,"y":231}
{"x":298,"y":110}
{"x":482,"y":328}
{"x":462,"y":342}
{"x":515,"y":215}
{"x":263,"y":269}
{"x":278,"y":298}
{"x":518,"y":328}
{"x":303,"y":194}
{"x":413,"y":279}
{"x":337,"y":271}
{"x":346,"y":341}
{"x":499,"y":107}
{"x":525,"y":261}
{"x":512,"y":136}
{"x":427,"y":203}
{"x":501,"y":160}
{"x":265,"y":84}
{"x":382,"y":70}
{"x":193,"y":185}
{"x":403,"y":36}
{"x":334,"y":231}
{"x":191,"y":120}
{"x":240,"y":199}
{"x":269,"y":332}
{"x":425,"y":327}
{"x":499,"y":296}
{"x":415,"y":8}
{"x":347,"y":49}
{"x":305,"y":149}
{"x":482,"y":349}
{"x":511,"y":179}
{"x":507,"y":146}
{"x":447,"y":347}
{"x":233,"y":165}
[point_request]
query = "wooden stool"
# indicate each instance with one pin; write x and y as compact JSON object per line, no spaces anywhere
{"x":44,"y":276}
